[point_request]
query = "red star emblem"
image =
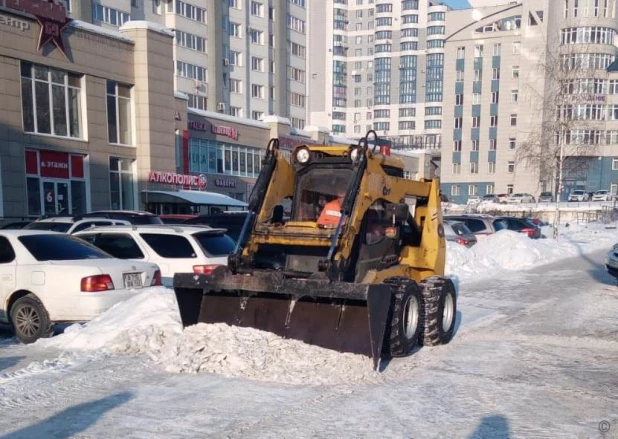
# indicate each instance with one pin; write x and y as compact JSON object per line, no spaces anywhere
{"x":51,"y":30}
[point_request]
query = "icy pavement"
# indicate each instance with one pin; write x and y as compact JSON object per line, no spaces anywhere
{"x":535,"y":355}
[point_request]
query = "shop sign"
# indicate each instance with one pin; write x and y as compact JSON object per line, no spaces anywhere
{"x":54,"y":164}
{"x":51,"y":16}
{"x":22,"y":25}
{"x":230,"y":132}
{"x":196,"y":125}
{"x":177,"y":179}
{"x":224,"y":182}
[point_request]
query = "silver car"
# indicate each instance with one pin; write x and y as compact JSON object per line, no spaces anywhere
{"x":578,"y":196}
{"x":456,"y":231}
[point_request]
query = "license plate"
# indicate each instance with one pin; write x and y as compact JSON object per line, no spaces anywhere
{"x":132,"y":280}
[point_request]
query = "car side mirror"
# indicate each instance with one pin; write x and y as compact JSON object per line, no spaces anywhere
{"x":398,"y":212}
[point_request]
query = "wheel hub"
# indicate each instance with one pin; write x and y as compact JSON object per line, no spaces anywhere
{"x":411,"y":316}
{"x":447,"y":313}
{"x":27,"y":321}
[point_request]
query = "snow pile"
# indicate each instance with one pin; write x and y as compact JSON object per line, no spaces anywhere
{"x":138,"y":324}
{"x":508,"y":250}
{"x":149,"y":323}
{"x":246,"y":352}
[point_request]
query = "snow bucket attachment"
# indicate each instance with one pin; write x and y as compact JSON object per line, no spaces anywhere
{"x":345,"y":317}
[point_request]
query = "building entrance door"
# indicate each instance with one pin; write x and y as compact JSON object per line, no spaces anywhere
{"x":55,"y":197}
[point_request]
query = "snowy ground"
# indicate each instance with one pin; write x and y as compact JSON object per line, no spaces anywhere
{"x":535,"y":355}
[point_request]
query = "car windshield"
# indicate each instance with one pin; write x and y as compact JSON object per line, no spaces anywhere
{"x":215,"y":244}
{"x":49,"y":226}
{"x":545,"y":194}
{"x":316,"y":188}
{"x":600,"y":192}
{"x":52,"y":247}
{"x":578,"y":192}
{"x":460,"y":229}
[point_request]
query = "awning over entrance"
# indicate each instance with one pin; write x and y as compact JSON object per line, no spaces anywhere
{"x":199,"y":198}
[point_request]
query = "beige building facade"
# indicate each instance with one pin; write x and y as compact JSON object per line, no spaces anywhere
{"x":85,"y":113}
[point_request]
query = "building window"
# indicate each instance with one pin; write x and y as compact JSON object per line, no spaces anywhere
{"x":296,"y":24}
{"x":615,"y":164}
{"x":257,"y":9}
{"x":459,"y":99}
{"x":497,"y":49}
{"x":456,"y":168}
{"x":51,"y":101}
{"x":257,"y":37}
{"x":475,"y":145}
{"x":458,"y":123}
{"x":198,"y":102}
{"x":191,"y":71}
{"x":122,"y":184}
{"x":476,"y":98}
{"x":489,"y":189}
{"x":478,"y":75}
{"x":297,"y":99}
{"x":209,"y":156}
{"x":478,"y":51}
{"x":474,"y":168}
{"x":461,"y":52}
{"x":257,"y":91}
{"x":109,"y":15}
{"x":513,"y":120}
{"x":236,"y":86}
{"x":459,"y":75}
{"x":472,"y":189}
{"x":457,"y":146}
{"x":189,"y":11}
{"x":455,"y":190}
{"x":493,"y":121}
{"x":495,"y":74}
{"x":509,"y":189}
{"x":491,"y":167}
{"x":514,"y":95}
{"x":236,"y":111}
{"x":492,"y":144}
{"x":476,"y":122}
{"x":512,"y":143}
{"x":511,"y":167}
{"x":235,"y":30}
{"x":515,"y":72}
{"x":190,"y":41}
{"x":119,"y":127}
{"x":257,"y":64}
{"x":495,"y":97}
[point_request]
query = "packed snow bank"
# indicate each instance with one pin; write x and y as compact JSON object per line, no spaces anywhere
{"x":144,"y":320}
{"x":508,"y":250}
{"x":149,"y":323}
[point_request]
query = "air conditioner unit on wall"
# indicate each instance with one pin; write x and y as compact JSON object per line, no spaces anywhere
{"x":226,"y":61}
{"x":221,"y":107}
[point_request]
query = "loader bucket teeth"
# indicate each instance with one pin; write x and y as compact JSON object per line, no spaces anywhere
{"x":350,"y":320}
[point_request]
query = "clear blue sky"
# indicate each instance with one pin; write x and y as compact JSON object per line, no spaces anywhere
{"x":457,"y":4}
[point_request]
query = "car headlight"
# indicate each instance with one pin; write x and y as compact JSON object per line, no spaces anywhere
{"x":303,"y":155}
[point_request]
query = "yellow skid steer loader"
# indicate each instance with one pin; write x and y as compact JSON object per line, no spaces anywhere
{"x":358,"y":266}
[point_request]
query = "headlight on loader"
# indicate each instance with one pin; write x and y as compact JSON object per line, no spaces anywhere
{"x":302,"y":155}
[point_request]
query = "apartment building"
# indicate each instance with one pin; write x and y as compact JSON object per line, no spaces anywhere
{"x":244,"y":58}
{"x":378,"y":65}
{"x":496,"y":82}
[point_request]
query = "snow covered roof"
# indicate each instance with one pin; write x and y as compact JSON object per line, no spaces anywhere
{"x":141,"y":24}
{"x":227,"y":118}
{"x":299,"y":133}
{"x":181,"y":95}
{"x":88,"y":27}
{"x":272,"y":118}
{"x":410,"y":152}
{"x":342,"y":140}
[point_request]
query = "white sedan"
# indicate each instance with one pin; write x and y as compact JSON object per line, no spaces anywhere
{"x":49,"y":277}
{"x":602,"y":195}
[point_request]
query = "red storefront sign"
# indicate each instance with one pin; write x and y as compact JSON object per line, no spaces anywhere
{"x":196,"y":126}
{"x":54,"y":164}
{"x":230,"y":132}
{"x":177,"y":179}
{"x":51,"y":16}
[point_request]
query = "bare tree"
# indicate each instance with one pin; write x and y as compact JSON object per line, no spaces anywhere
{"x":565,"y":109}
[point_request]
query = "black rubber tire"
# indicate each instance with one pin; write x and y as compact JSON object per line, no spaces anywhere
{"x":396,"y":343}
{"x":32,"y":305}
{"x":435,"y":292}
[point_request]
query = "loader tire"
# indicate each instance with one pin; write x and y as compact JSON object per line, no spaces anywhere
{"x":404,"y":324}
{"x":439,"y":310}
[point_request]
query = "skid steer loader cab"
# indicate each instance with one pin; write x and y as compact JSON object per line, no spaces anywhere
{"x":357,"y":267}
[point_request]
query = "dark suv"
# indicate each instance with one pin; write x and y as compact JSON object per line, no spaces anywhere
{"x":232,"y":221}
{"x":132,"y":216}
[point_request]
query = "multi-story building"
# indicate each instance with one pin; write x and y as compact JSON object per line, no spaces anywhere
{"x":244,"y":58}
{"x":503,"y":62}
{"x":378,"y":65}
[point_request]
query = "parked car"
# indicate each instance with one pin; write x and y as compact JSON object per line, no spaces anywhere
{"x":18,"y":225}
{"x":456,"y":231}
{"x":521,"y":225}
{"x":231,"y":220}
{"x":50,"y":277}
{"x":602,"y":195}
{"x":490,"y":198}
{"x":546,"y":197}
{"x":132,"y":216}
{"x":67,"y":224}
{"x":520,"y":198}
{"x":174,"y":248}
{"x":578,"y":196}
{"x":175,"y":218}
{"x":611,"y":261}
{"x":480,"y":225}
{"x":503,"y":198}
{"x":473,"y":199}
